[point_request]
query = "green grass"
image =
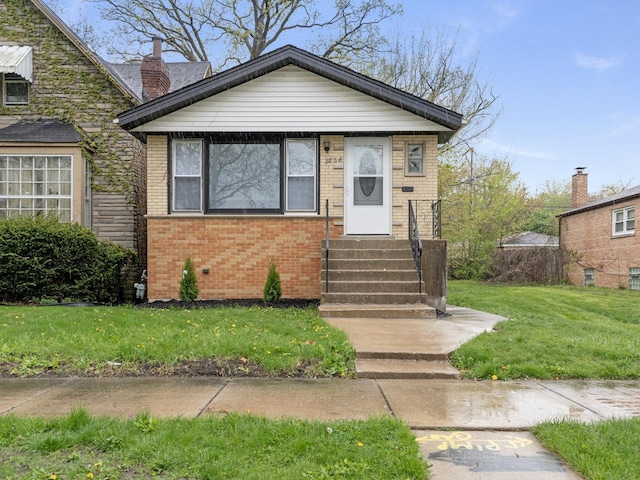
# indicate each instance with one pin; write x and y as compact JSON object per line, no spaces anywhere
{"x":237,"y":446}
{"x":91,"y":340}
{"x":551,"y":332}
{"x":599,"y":451}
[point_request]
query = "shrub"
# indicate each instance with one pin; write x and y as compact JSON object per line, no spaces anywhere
{"x":44,"y":258}
{"x":189,"y":283}
{"x":272,"y":287}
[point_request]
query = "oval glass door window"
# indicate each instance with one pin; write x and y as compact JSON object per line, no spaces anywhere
{"x":367,"y":179}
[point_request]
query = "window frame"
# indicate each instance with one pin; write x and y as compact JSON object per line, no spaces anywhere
{"x":589,"y":277}
{"x":314,"y":175}
{"x":205,"y":172}
{"x":13,"y":79}
{"x":625,"y":221}
{"x":45,"y":198}
{"x":174,"y":143}
{"x":242,"y":141}
{"x":410,"y":171}
{"x":634,"y":278}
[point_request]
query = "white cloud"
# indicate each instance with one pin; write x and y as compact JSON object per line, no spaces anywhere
{"x":505,"y":9}
{"x":597,"y":63}
{"x":622,"y":125}
{"x":511,"y":151}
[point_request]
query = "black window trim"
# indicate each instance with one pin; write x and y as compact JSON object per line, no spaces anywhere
{"x":274,"y":138}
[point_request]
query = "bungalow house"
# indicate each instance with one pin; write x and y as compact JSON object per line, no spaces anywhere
{"x":599,"y":238}
{"x":60,"y":152}
{"x":264,"y":162}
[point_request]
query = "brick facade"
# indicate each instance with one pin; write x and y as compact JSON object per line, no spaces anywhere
{"x":587,"y":242}
{"x":237,"y":251}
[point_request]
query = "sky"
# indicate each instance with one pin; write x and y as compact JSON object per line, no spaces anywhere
{"x":567,"y":73}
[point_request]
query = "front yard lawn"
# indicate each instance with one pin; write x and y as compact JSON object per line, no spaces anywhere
{"x":598,"y":451}
{"x":551,"y":332}
{"x":236,"y":446}
{"x":126,"y":341}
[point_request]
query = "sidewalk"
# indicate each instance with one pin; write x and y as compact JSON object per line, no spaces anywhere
{"x":483,"y":419}
{"x":422,"y":404}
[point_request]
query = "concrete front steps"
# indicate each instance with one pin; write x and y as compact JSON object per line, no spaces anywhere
{"x":373,"y":281}
{"x":389,"y":368}
{"x":372,"y":277}
{"x":404,"y":365}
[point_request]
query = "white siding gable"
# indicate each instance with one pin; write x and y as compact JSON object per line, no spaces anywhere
{"x":291,"y":99}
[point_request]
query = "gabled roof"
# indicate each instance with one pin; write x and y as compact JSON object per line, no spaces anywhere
{"x":85,"y":49}
{"x":290,"y":55}
{"x":620,"y":197}
{"x":42,"y":131}
{"x":181,"y":74}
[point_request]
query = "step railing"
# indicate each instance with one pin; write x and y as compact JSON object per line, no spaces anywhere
{"x":326,"y":247}
{"x":416,"y":244}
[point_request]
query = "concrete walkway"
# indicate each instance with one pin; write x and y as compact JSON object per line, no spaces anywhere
{"x":484,"y":420}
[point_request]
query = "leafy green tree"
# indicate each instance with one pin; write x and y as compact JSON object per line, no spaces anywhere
{"x":542,"y":208}
{"x":189,"y":283}
{"x":483,"y":201}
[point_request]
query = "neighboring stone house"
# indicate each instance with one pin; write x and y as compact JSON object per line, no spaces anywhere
{"x":60,"y":150}
{"x":243,"y":165}
{"x":599,"y":238}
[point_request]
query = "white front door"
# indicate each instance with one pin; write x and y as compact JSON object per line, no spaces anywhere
{"x":367,"y":190}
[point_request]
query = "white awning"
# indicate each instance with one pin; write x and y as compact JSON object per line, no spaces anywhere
{"x":18,"y":60}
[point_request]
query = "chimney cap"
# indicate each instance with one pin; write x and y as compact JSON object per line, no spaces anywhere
{"x":580,"y":169}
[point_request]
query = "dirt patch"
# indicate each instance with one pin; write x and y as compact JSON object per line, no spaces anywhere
{"x":210,"y":367}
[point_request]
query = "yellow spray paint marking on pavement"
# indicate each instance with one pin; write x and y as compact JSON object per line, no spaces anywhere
{"x":466,"y":440}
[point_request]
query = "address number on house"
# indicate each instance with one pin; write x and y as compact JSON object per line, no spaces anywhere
{"x":333,"y":160}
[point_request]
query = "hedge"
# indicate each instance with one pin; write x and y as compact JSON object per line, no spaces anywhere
{"x":44,"y":259}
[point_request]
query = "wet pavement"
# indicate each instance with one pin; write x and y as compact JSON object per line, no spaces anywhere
{"x":465,"y":429}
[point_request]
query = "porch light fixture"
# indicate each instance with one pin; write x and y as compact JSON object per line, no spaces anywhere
{"x":327,"y":145}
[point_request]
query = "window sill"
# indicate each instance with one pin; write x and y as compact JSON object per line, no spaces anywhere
{"x":623,"y":235}
{"x":191,"y":215}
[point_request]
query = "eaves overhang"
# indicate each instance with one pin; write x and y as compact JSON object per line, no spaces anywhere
{"x":284,"y":56}
{"x":621,"y":197}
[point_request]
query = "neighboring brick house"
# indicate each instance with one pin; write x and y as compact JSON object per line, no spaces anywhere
{"x":599,"y":238}
{"x":60,"y":150}
{"x":242,"y":165}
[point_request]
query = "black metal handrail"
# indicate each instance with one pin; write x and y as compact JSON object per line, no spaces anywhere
{"x":326,"y":248}
{"x":436,"y":215}
{"x":416,"y":244}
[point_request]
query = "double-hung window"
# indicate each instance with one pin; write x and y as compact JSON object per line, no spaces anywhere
{"x":187,"y":175}
{"x":15,"y":90}
{"x":245,"y":175}
{"x":624,"y":221}
{"x":32,"y":185}
{"x":301,"y":175}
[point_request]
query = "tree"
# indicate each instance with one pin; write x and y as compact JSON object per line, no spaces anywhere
{"x":195,"y":28}
{"x":188,"y":283}
{"x":542,"y":209}
{"x":428,"y":68}
{"x":483,"y":201}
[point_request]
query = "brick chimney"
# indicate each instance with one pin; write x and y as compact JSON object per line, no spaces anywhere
{"x":154,"y":73}
{"x":579,"y":188}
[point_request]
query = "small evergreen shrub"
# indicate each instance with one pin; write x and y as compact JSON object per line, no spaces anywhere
{"x":43,"y":258}
{"x":189,"y":283}
{"x":272,"y":287}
